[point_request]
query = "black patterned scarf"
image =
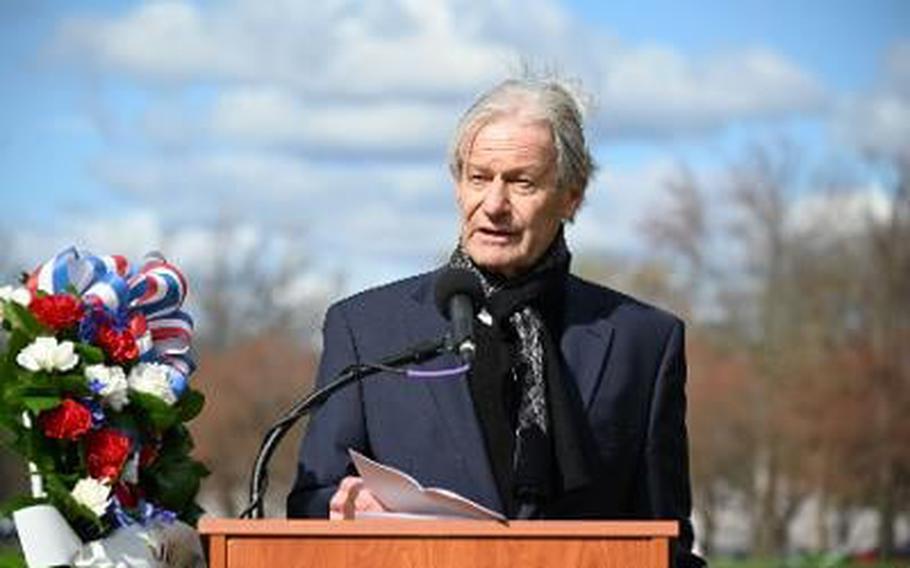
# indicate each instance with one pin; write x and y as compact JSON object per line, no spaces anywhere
{"x":519,"y":307}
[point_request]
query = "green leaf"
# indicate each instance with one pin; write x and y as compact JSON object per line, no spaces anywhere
{"x":28,"y":384}
{"x":177,"y":442}
{"x":192,"y":514}
{"x":122,"y":420}
{"x":40,"y":403}
{"x":190,"y":405}
{"x":9,"y":423}
{"x":157,"y":412}
{"x":19,"y":502}
{"x":73,"y":383}
{"x":90,"y":354}
{"x":175,"y":482}
{"x":18,"y":339}
{"x":20,"y":318}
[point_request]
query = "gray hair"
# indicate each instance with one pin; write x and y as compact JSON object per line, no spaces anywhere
{"x":546,"y":100}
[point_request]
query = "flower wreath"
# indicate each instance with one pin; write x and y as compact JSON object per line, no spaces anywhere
{"x":94,"y":390}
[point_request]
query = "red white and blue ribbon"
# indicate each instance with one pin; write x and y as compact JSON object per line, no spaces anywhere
{"x":150,"y":298}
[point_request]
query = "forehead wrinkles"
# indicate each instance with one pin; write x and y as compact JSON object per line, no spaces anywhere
{"x":526,"y":142}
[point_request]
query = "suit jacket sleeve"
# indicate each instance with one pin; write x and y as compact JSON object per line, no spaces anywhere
{"x":666,"y":452}
{"x":335,"y":427}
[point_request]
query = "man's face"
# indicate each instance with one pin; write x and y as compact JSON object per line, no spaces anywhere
{"x":510,"y":206}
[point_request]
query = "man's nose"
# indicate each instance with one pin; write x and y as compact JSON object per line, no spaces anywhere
{"x":496,"y":199}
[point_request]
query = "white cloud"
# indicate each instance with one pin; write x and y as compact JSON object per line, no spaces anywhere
{"x":897,"y":68}
{"x":159,"y":41}
{"x":279,"y":60}
{"x":309,"y":105}
{"x":878,"y":122}
{"x":844,"y":214}
{"x":131,"y":233}
{"x":274,"y":117}
{"x":383,"y":228}
{"x":334,"y":115}
{"x":658,"y":91}
{"x":325,"y":48}
{"x":618,"y":204}
{"x":261,"y":181}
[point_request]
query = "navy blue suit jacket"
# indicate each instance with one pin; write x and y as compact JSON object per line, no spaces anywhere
{"x":624,"y":365}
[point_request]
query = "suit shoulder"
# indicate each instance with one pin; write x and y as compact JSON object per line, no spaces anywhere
{"x":387,"y":296}
{"x":620,"y":307}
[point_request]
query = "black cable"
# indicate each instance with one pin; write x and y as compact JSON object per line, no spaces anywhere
{"x":255,"y":508}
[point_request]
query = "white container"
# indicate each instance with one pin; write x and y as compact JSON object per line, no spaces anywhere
{"x":45,"y":536}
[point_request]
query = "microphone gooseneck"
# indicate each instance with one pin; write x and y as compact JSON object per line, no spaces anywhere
{"x":259,"y":479}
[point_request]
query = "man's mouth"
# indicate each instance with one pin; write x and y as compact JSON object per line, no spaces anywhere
{"x":496,"y":235}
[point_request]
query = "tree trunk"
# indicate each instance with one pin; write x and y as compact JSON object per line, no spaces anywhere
{"x":822,"y":542}
{"x":709,"y":520}
{"x":887,"y":511}
{"x":763,"y":521}
{"x":842,"y":526}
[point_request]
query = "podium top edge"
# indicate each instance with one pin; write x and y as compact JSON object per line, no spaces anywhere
{"x":212,"y":526}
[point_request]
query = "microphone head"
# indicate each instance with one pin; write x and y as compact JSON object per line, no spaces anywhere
{"x":455,"y":281}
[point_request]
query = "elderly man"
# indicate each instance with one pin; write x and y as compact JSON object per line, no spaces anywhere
{"x":575,"y":405}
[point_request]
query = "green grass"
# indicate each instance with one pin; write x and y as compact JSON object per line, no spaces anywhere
{"x":806,"y":562}
{"x":10,"y":557}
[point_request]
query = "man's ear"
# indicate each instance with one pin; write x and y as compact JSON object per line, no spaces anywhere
{"x":572,"y":204}
{"x":456,"y":189}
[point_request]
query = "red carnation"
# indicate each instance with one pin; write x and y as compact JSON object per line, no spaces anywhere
{"x":106,"y":451}
{"x":67,"y":421}
{"x":57,"y":311}
{"x":128,"y":495}
{"x":119,"y":345}
{"x":147,"y":455}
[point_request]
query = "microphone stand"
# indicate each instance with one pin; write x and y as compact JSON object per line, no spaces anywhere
{"x":255,"y":508}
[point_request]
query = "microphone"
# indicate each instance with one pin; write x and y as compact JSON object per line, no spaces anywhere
{"x":458,"y":294}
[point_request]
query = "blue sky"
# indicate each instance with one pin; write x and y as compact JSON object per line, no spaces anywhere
{"x":841,"y":40}
{"x":322,"y":126}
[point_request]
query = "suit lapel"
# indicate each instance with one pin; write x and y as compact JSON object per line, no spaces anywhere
{"x":453,"y":402}
{"x":586,"y":340}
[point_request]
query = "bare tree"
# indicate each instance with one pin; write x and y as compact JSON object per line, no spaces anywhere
{"x":721,"y":434}
{"x":678,"y":227}
{"x":247,"y":387}
{"x":809,"y":325}
{"x":887,"y":287}
{"x":759,"y":188}
{"x":256,"y":356}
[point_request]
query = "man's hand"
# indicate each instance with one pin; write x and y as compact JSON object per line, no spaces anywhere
{"x":352,"y":496}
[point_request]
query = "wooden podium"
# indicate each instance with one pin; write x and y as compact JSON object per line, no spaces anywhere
{"x":393,"y":543}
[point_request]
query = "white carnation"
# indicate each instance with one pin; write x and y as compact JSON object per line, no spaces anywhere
{"x":112,"y":385}
{"x":19,"y":295}
{"x":154,"y":379}
{"x":45,"y":354}
{"x":93,"y":494}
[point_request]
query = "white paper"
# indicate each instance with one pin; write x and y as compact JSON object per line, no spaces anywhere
{"x":46,"y":538}
{"x":406,"y":498}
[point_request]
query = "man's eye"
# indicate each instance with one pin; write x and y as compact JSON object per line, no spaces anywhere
{"x":524,"y":184}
